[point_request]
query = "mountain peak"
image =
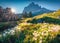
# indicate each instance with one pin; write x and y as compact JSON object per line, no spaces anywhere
{"x":32,"y":7}
{"x":32,"y":3}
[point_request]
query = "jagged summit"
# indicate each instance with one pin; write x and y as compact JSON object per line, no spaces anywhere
{"x":32,"y":3}
{"x":35,"y":8}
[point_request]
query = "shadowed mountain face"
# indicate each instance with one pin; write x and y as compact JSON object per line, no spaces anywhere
{"x":35,"y":9}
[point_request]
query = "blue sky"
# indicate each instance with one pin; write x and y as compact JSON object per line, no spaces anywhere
{"x":19,"y":5}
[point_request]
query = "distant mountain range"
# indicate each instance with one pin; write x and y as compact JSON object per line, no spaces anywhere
{"x":35,"y":9}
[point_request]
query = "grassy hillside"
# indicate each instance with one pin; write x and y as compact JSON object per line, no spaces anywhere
{"x":43,"y":28}
{"x":53,"y":17}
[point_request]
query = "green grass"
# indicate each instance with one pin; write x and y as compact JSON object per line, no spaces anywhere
{"x":29,"y":30}
{"x":6,"y":25}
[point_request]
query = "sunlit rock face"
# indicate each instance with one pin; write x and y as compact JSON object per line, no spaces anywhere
{"x":7,"y":14}
{"x":35,"y":9}
{"x":1,"y":9}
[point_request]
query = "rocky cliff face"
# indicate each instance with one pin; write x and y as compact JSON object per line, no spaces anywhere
{"x":35,"y":9}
